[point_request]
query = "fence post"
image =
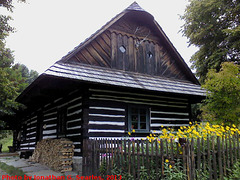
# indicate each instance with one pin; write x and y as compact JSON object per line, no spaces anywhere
{"x":162,"y":158}
{"x":214,"y":158}
{"x":87,"y":160}
{"x":192,"y":159}
{"x":188,"y":159}
{"x":220,"y":158}
{"x":184,"y":159}
{"x":209,"y":159}
{"x":199,"y":155}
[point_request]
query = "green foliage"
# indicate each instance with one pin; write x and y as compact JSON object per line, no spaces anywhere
{"x":202,"y":174}
{"x":116,"y":171}
{"x":29,"y":76}
{"x":174,"y":172}
{"x":171,"y":172}
{"x":213,"y":26}
{"x":11,"y":170}
{"x":8,"y":4}
{"x":6,"y":139}
{"x":13,"y":78}
{"x":223,"y":98}
{"x":235,"y":172}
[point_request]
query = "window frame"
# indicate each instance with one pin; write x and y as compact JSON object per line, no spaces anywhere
{"x":138,"y":107}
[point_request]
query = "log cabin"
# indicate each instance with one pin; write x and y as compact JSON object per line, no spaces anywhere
{"x":125,"y":76}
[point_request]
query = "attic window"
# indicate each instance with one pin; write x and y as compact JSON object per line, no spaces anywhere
{"x":122,"y":49}
{"x":149,"y":55}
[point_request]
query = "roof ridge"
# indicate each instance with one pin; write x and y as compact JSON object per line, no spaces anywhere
{"x":135,"y":6}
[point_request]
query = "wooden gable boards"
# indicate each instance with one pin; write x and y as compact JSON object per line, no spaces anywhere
{"x":132,"y":27}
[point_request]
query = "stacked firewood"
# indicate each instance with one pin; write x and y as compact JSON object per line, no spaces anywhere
{"x":54,"y":153}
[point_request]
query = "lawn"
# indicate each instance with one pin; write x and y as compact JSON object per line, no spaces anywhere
{"x":7,"y":141}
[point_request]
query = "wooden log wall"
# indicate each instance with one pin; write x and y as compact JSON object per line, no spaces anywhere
{"x":107,"y":115}
{"x":73,"y":105}
{"x":106,"y":118}
{"x":28,"y":133}
{"x":108,"y":111}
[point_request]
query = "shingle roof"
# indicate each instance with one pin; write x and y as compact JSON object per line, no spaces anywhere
{"x":107,"y":76}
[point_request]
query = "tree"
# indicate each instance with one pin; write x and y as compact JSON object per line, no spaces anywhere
{"x":222,"y":104}
{"x":13,"y":78}
{"x":213,"y":26}
{"x":29,"y":76}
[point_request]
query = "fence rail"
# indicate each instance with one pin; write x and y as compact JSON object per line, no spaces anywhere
{"x":212,"y":155}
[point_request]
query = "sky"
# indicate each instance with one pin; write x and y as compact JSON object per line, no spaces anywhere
{"x":46,"y":30}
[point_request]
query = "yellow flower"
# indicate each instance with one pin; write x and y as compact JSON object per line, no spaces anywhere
{"x":129,"y":133}
{"x":170,"y":166}
{"x":190,"y":122}
{"x":166,"y":160}
{"x":133,"y":131}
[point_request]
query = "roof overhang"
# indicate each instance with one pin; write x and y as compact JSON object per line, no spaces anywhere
{"x":102,"y":75}
{"x":46,"y":89}
{"x":62,"y":78}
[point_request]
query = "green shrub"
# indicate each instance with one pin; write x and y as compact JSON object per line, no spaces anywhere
{"x":234,"y":172}
{"x":6,"y":138}
{"x":11,"y":170}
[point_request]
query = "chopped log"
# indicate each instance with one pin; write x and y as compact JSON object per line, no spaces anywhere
{"x":54,"y":153}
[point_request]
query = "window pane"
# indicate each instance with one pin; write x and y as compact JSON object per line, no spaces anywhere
{"x":143,"y":118}
{"x":143,"y":111}
{"x":142,"y":125}
{"x":134,"y":122}
{"x":143,"y":121}
{"x":138,"y":118}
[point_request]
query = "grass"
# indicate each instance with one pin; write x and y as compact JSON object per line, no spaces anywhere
{"x":11,"y":170}
{"x":7,"y":141}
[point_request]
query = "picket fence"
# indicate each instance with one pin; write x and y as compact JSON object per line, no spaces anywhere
{"x":213,"y":155}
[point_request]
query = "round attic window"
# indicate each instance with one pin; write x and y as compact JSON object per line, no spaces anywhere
{"x":122,"y":49}
{"x":149,"y":55}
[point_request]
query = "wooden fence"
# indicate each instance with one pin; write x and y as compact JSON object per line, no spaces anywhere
{"x":212,"y":156}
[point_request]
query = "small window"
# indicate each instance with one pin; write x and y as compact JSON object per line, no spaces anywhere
{"x":138,"y":119}
{"x":122,"y":49}
{"x":149,"y":55}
